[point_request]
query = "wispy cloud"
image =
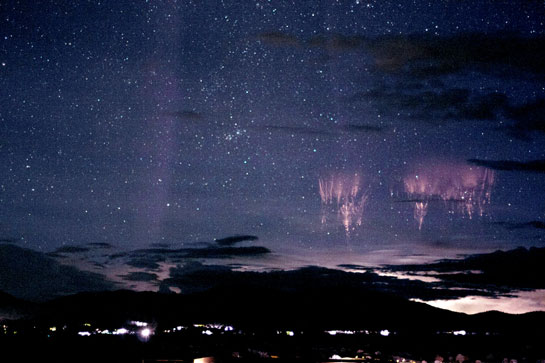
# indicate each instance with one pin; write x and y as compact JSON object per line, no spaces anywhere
{"x":333,"y":130}
{"x":101,"y":245}
{"x":534,"y":166}
{"x":300,"y":130}
{"x":435,"y":105}
{"x":422,"y":55}
{"x":278,"y":39}
{"x":194,"y":276}
{"x":528,"y":118}
{"x":140,"y":276}
{"x":500,"y":271}
{"x":9,"y":240}
{"x":229,"y":241}
{"x":71,"y":249}
{"x":187,"y":115}
{"x":521,"y":225}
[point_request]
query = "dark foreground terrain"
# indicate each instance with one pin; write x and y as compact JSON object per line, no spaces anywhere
{"x":242,"y":323}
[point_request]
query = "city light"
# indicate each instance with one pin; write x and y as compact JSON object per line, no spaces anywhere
{"x":145,"y":333}
{"x":138,"y":323}
{"x":121,"y":331}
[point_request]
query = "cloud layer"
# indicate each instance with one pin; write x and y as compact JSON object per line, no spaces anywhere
{"x":534,"y":166}
{"x":32,"y":275}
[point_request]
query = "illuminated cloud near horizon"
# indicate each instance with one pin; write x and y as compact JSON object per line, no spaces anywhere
{"x":519,"y":303}
{"x":343,"y":198}
{"x":464,"y":188}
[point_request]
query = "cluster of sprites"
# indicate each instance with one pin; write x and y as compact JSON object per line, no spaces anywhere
{"x":464,"y":189}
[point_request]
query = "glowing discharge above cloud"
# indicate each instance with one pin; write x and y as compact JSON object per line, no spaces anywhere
{"x":343,"y":196}
{"x":468,"y":187}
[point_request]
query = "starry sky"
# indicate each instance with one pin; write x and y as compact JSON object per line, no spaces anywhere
{"x":270,"y":134}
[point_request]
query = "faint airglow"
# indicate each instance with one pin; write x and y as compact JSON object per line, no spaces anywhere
{"x":343,"y":196}
{"x":467,"y":188}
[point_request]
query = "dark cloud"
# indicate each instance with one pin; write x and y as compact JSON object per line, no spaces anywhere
{"x":424,"y":55}
{"x":295,"y":130}
{"x":140,"y":276}
{"x":363,"y":128}
{"x":536,"y":224}
{"x":524,"y":225}
{"x":156,"y":251}
{"x":528,"y":117}
{"x":193,"y":277}
{"x":278,"y":39}
{"x":160,"y":245}
{"x":32,"y":275}
{"x":146,"y":262}
{"x":403,"y":98}
{"x":204,"y":252}
{"x":501,"y":270}
{"x":229,"y":241}
{"x":482,"y":107}
{"x":336,"y":42}
{"x":226,"y":252}
{"x":422,"y":58}
{"x":188,"y":115}
{"x":332,"y":131}
{"x":55,"y":255}
{"x":435,"y":105}
{"x":416,"y":200}
{"x":353,"y":267}
{"x":103,"y":245}
{"x":149,"y":258}
{"x":534,"y":166}
{"x":118,"y":255}
{"x":330,"y":42}
{"x":9,"y":240}
{"x":71,"y":249}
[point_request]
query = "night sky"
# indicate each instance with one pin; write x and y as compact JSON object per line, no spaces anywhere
{"x":139,"y":137}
